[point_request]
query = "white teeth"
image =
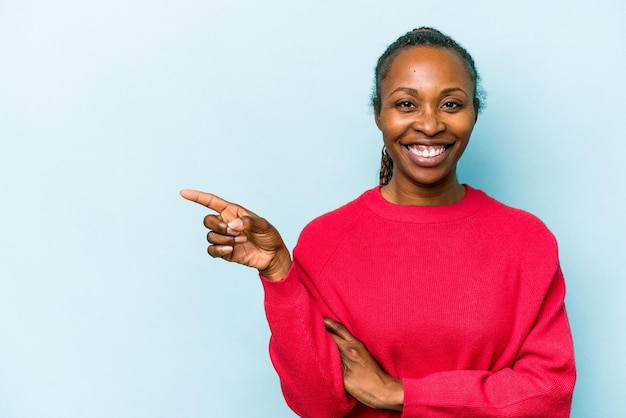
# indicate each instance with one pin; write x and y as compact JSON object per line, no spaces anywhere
{"x":427,"y":151}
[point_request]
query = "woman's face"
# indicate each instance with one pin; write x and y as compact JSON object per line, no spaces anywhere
{"x":426,"y":117}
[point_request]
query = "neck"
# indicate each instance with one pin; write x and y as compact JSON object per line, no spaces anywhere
{"x":414,"y":195}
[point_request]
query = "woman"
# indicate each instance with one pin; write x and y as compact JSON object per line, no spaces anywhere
{"x":423,"y":297}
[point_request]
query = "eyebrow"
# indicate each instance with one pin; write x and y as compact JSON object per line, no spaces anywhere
{"x":444,"y":91}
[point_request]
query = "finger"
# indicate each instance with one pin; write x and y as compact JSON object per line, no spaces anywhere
{"x":216,"y":223}
{"x":234,"y":227}
{"x":205,"y":199}
{"x":338,"y":340}
{"x":219,"y":251}
{"x":220,"y":239}
{"x":252,"y":224}
{"x":237,"y":225}
{"x":337,"y":329}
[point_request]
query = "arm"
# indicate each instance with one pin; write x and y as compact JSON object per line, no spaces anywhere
{"x":539,"y":382}
{"x":363,"y":378}
{"x":303,"y":354}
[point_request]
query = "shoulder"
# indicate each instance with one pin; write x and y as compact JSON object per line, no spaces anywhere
{"x":338,"y":221}
{"x":518,"y":225}
{"x":526,"y":244}
{"x":322,"y":235}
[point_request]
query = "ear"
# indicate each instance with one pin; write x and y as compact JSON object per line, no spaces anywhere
{"x":377,"y":118}
{"x":476,"y":108}
{"x":376,"y":106}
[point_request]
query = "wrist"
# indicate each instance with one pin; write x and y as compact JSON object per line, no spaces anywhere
{"x":278,"y":268}
{"x":395,"y":395}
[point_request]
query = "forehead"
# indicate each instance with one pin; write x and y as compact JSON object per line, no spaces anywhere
{"x":427,"y":65}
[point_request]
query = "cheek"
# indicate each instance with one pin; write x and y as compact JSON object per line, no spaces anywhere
{"x":392,"y":128}
{"x":463,"y":129}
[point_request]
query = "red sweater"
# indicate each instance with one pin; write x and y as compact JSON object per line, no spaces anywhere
{"x":463,"y":302}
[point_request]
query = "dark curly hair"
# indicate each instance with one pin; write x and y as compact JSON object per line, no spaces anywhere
{"x":423,"y":36}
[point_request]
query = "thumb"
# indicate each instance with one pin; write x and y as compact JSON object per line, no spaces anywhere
{"x":253,"y":224}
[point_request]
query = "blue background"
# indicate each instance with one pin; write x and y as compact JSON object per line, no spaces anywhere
{"x":109,"y":306}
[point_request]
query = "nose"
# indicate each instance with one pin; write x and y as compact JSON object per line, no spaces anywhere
{"x":428,"y":122}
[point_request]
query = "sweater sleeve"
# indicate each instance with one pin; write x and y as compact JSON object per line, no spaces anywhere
{"x":302,"y":351}
{"x":539,"y":383}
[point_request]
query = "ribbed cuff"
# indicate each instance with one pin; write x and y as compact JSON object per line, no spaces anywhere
{"x":285,"y":292}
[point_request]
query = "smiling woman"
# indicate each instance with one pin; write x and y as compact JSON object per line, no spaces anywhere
{"x":426,"y":114}
{"x":423,"y":296}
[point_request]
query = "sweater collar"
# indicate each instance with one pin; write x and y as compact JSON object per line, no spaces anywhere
{"x":469,"y":205}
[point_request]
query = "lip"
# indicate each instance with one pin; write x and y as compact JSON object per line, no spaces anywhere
{"x":426,"y":162}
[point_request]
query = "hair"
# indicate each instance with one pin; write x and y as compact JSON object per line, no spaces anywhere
{"x":423,"y":36}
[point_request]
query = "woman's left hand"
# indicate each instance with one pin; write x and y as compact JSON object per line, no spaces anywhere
{"x":362,"y":376}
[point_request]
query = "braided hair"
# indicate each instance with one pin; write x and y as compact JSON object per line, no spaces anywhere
{"x":423,"y":36}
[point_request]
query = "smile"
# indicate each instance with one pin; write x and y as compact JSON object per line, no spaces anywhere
{"x":428,"y":151}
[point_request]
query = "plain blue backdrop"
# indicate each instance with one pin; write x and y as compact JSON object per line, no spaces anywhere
{"x":109,"y":306}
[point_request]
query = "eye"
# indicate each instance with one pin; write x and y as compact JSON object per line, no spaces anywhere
{"x":405,"y":105}
{"x":451,"y":105}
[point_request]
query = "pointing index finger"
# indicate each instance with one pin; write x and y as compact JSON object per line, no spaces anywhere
{"x":205,"y":199}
